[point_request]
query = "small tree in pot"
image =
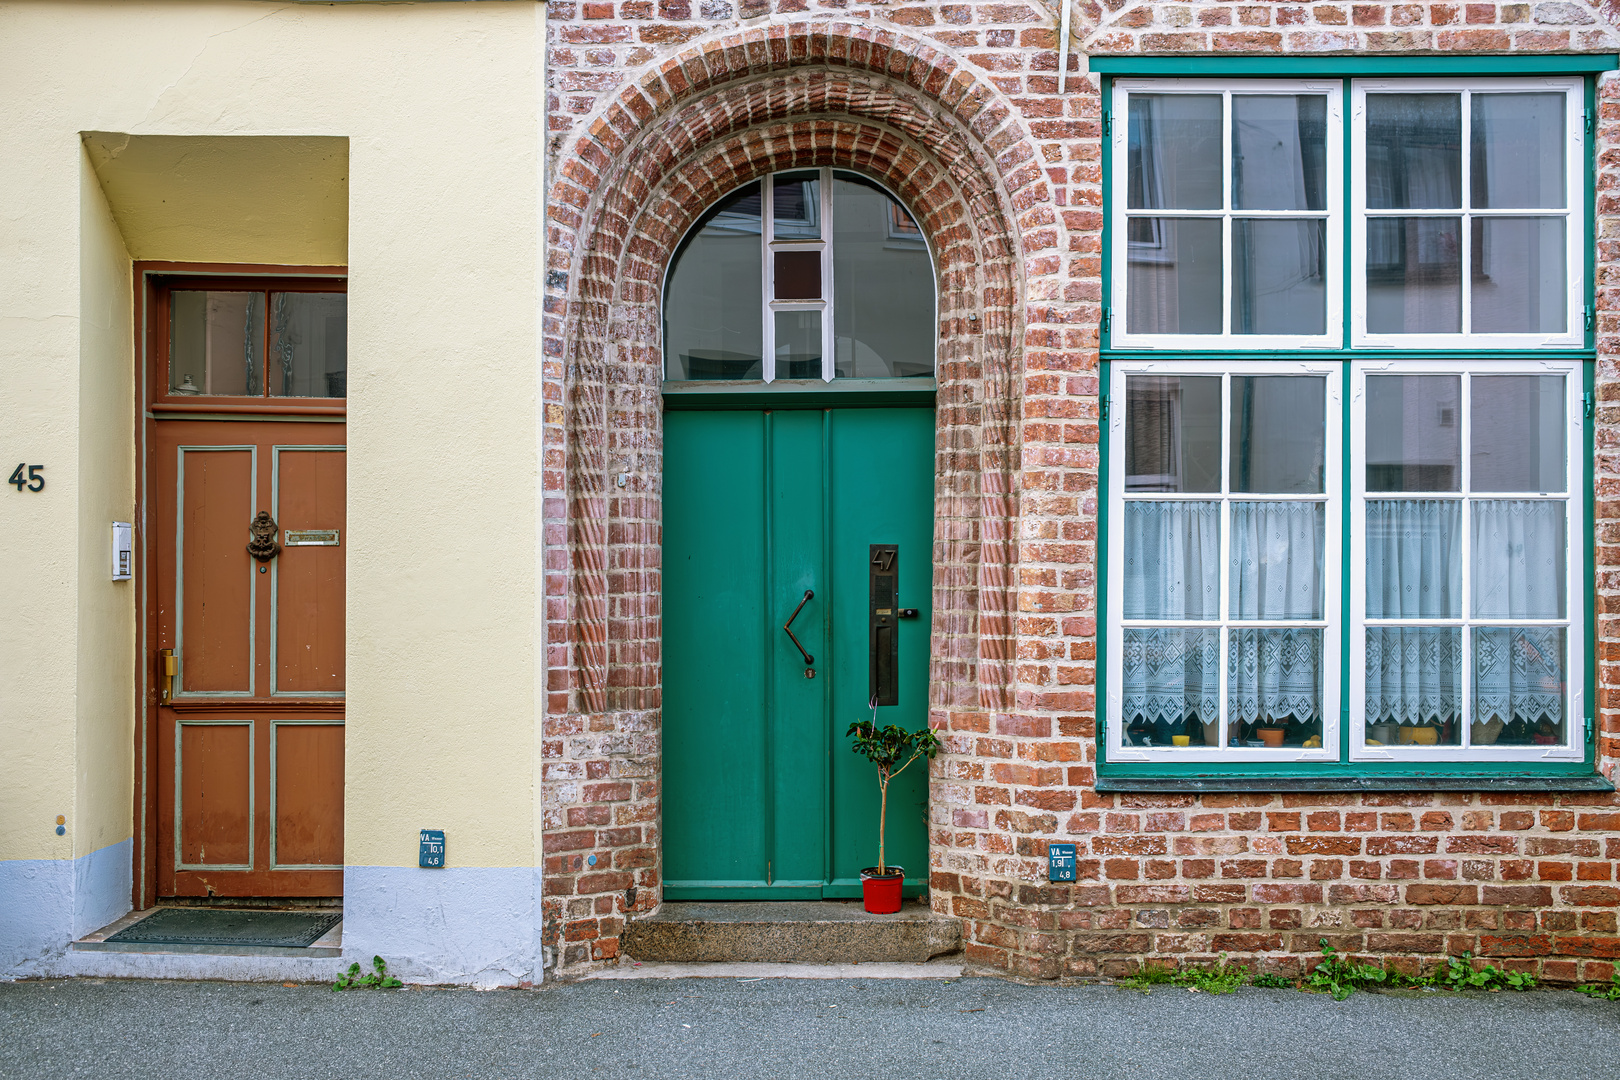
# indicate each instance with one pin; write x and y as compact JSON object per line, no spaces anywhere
{"x":892,"y":749}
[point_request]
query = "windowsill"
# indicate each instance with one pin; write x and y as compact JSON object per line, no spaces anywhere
{"x":1485,"y":783}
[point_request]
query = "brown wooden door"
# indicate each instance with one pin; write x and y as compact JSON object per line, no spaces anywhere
{"x":249,"y":745}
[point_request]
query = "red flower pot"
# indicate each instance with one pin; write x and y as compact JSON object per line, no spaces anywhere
{"x":881,"y":892}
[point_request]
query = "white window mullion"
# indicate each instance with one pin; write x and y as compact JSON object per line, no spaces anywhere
{"x":1224,"y":637}
{"x":828,"y":341}
{"x":1465,"y":418}
{"x":1465,"y":201}
{"x":767,"y":222}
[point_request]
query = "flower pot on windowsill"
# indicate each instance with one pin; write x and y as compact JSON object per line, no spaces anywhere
{"x":880,"y":892}
{"x":1271,"y":736}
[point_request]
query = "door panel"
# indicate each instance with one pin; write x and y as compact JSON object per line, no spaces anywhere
{"x":307,"y":610}
{"x":216,"y":795}
{"x":216,"y":620}
{"x":248,"y":754}
{"x":308,"y":796}
{"x":760,"y":786}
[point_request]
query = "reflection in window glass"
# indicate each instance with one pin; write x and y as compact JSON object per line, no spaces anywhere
{"x":1174,"y":147}
{"x":1279,"y":437}
{"x":1519,"y":271}
{"x":1414,"y":151}
{"x":309,"y":349}
{"x":1516,"y":159}
{"x":883,"y":286}
{"x":1278,"y":278}
{"x":1173,"y":280}
{"x":1173,"y":433}
{"x":796,"y":206}
{"x":1517,"y":433}
{"x":798,"y":344}
{"x":216,"y":343}
{"x":713,"y":315}
{"x":1279,"y":152}
{"x":1414,"y":433}
{"x":1414,"y":275}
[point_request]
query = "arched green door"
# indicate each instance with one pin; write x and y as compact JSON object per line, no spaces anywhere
{"x":763,"y":797}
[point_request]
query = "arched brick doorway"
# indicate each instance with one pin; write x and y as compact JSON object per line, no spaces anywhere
{"x":725,"y":113}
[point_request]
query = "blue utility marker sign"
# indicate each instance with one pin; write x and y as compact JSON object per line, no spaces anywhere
{"x":433,"y":848}
{"x":1060,"y":862}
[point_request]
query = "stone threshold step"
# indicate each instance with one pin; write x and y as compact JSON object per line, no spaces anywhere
{"x":327,"y":945}
{"x":794,"y":931}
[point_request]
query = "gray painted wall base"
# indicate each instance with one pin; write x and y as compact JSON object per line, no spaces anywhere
{"x":809,"y":932}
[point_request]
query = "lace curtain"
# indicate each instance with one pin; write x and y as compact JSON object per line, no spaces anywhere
{"x":1414,"y":571}
{"x":1171,"y":571}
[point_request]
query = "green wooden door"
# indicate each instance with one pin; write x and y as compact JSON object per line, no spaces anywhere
{"x":763,"y":798}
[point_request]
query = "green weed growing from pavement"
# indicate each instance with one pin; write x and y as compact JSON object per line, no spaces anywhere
{"x":1601,"y":992}
{"x":377,"y":977}
{"x":1273,"y":982}
{"x":1459,"y":974}
{"x":1223,"y":978}
{"x":1341,"y":977}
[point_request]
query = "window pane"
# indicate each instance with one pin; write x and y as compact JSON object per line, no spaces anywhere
{"x":798,"y":344}
{"x":1279,"y":152}
{"x":1414,"y":275}
{"x":1172,"y":433}
{"x":1414,"y":558}
{"x":1520,"y":276}
{"x":309,"y":344}
{"x":796,"y":206}
{"x":798,"y":275}
{"x":1274,"y":684}
{"x":1172,"y":560}
{"x":1517,"y":153}
{"x":713,"y":312}
{"x":1277,"y":277}
{"x":1173,"y":276}
{"x":1174,"y":147}
{"x":1279,"y":435}
{"x":1414,"y":433}
{"x":1414,"y":685}
{"x":1171,"y":685}
{"x":216,"y":343}
{"x":883,"y":286}
{"x":1414,"y":151}
{"x":1276,"y":560}
{"x":1518,"y":570}
{"x":1517,"y":431}
{"x":1520,"y":683}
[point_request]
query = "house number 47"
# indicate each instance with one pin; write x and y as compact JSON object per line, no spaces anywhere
{"x":33,"y":481}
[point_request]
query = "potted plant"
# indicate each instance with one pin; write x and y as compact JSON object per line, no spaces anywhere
{"x":892,"y":749}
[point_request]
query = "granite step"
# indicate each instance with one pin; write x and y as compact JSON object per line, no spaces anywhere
{"x":791,"y":931}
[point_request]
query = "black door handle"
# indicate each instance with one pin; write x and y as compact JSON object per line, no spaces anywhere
{"x":788,"y":626}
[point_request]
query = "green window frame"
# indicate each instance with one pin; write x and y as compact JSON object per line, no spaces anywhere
{"x":1346,"y":760}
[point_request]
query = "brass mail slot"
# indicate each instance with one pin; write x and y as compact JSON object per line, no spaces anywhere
{"x":310,"y":538}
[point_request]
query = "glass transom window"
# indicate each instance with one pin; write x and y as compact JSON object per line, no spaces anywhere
{"x":813,"y":275}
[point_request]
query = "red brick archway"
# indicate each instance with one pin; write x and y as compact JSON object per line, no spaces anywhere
{"x":717,"y":117}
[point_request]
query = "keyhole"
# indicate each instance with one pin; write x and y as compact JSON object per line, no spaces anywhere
{"x":809,"y":672}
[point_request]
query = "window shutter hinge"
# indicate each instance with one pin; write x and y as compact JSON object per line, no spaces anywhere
{"x":1102,"y":326}
{"x":1108,"y":124}
{"x":1586,"y":313}
{"x":1586,"y":399}
{"x":1586,"y":115}
{"x":1102,"y":418}
{"x":1591,"y":731}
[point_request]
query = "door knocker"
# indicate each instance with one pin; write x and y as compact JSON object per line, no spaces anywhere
{"x":263,"y":546}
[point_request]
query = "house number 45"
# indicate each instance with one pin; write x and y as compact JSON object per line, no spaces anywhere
{"x":33,"y":481}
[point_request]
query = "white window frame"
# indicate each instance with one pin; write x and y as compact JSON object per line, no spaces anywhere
{"x":1120,"y":335}
{"x":1332,"y":623}
{"x":1575,"y":719}
{"x":1573,"y":90}
{"x":822,"y":245}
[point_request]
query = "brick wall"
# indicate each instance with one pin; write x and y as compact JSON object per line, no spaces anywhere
{"x":657,"y":109}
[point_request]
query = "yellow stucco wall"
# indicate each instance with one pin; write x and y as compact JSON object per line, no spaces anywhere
{"x":442,"y":245}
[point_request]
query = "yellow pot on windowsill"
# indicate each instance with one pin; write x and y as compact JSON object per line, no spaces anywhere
{"x":1419,"y":736}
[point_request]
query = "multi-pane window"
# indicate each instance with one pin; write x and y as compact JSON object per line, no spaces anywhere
{"x":283,"y":339}
{"x":1461,"y":624}
{"x":1465,"y":601}
{"x":1224,"y":542}
{"x":815,"y":274}
{"x":1463,"y":214}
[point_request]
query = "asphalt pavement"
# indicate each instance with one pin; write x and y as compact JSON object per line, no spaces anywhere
{"x":715,"y":1029}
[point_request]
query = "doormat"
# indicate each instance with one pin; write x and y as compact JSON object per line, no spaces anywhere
{"x":229,"y":926}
